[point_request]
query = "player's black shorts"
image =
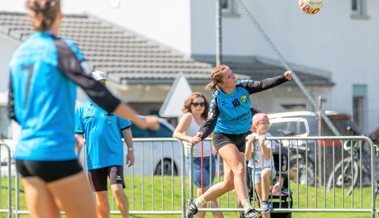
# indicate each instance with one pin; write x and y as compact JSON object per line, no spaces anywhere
{"x":48,"y":171}
{"x":98,"y":177}
{"x":222,"y":139}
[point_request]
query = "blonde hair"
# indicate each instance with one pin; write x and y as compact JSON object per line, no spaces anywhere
{"x":43,"y":13}
{"x":216,"y":76}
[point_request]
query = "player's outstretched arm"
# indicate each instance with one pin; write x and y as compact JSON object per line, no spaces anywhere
{"x":125,"y":111}
{"x":268,"y":83}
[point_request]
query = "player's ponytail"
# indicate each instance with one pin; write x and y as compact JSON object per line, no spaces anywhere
{"x":43,"y":13}
{"x":216,"y":77}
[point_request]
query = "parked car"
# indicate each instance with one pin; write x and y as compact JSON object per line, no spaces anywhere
{"x":165,"y":131}
{"x":158,"y":157}
{"x":303,"y":124}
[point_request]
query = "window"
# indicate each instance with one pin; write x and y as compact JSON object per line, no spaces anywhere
{"x":225,"y":4}
{"x":228,"y":7}
{"x":288,"y":128}
{"x":358,"y":8}
{"x":359,"y":103}
{"x":5,"y":123}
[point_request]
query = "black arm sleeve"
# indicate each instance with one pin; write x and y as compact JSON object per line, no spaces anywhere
{"x":11,"y":112}
{"x":258,"y":86}
{"x":70,"y":66}
{"x":209,"y":125}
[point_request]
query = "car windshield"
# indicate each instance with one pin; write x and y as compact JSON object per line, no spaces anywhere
{"x":288,"y":128}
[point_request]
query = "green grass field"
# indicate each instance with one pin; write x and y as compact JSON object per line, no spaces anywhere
{"x":165,"y":194}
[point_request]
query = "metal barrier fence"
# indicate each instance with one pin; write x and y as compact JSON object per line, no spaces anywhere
{"x":322,"y":174}
{"x":330,"y":174}
{"x":6,"y":171}
{"x":155,"y":184}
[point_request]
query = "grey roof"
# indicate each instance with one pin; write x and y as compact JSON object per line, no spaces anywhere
{"x":120,"y":53}
{"x":128,"y":57}
{"x":259,"y":70}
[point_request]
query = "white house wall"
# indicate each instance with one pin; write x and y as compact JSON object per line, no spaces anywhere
{"x":203,"y":24}
{"x":331,"y":40}
{"x":8,"y":46}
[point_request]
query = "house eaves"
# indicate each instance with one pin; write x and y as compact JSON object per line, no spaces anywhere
{"x":259,"y":68}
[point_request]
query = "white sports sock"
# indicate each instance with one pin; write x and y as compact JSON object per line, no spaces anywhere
{"x":246,"y":205}
{"x":200,"y":201}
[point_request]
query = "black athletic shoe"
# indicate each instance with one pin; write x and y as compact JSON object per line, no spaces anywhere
{"x":252,"y":213}
{"x":192,"y":208}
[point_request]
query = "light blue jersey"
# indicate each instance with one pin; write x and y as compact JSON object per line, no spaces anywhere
{"x":102,"y":131}
{"x":44,"y":73}
{"x":39,"y":106}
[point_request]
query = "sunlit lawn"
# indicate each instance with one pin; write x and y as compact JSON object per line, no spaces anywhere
{"x":165,"y":195}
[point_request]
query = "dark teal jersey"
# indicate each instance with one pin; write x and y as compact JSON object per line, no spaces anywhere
{"x":44,"y":72}
{"x":230,"y":113}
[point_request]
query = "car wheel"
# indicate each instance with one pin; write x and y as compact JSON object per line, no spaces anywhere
{"x":167,"y":167}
